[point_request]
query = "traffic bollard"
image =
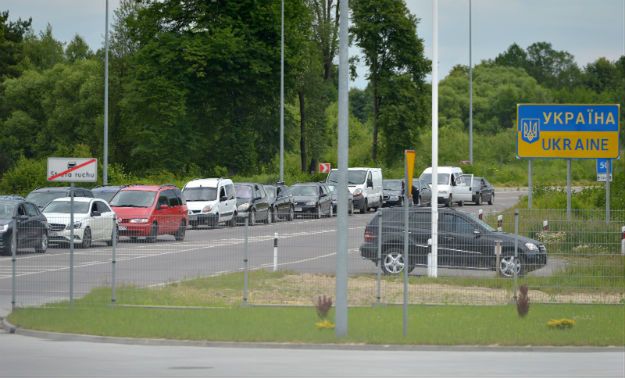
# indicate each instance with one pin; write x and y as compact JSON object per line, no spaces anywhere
{"x":499,"y":222}
{"x":275,"y":251}
{"x":623,"y":241}
{"x":545,"y":225}
{"x":480,"y":214}
{"x":498,"y":257}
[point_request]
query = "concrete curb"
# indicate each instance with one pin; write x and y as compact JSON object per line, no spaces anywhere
{"x":56,"y":336}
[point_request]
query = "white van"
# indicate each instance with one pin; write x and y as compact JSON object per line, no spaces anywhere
{"x":365,"y":184}
{"x":210,"y":201}
{"x":451,"y":185}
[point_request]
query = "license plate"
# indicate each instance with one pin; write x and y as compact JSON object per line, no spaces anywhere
{"x":122,"y":228}
{"x":53,"y":234}
{"x":298,"y":209}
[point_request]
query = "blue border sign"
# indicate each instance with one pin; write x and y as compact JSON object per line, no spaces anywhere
{"x":568,"y":131}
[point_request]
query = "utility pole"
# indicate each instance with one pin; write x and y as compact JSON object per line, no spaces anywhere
{"x":105,"y":160}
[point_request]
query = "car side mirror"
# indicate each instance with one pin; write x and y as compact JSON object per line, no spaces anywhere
{"x":223,"y":199}
{"x":95,"y":213}
{"x":477,"y":233}
{"x":369,"y":184}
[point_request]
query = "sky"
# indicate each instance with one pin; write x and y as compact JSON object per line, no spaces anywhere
{"x":588,"y":29}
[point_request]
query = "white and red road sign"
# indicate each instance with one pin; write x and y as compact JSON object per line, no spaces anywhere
{"x":325,"y":167}
{"x":72,"y":169}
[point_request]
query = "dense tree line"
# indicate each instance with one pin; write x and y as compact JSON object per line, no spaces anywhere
{"x":194,"y":89}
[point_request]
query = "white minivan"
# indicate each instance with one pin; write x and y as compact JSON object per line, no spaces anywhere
{"x":451,"y":185}
{"x":365,"y":184}
{"x":210,"y":201}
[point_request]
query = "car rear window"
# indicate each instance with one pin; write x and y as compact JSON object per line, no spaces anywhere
{"x":133,"y":198}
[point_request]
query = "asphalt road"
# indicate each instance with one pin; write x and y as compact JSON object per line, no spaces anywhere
{"x":305,"y":245}
{"x":24,"y":356}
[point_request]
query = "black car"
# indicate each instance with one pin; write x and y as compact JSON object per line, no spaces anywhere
{"x":483,"y":191}
{"x":32,"y":226}
{"x":252,"y":203}
{"x":464,"y":242}
{"x":43,"y":196}
{"x":421,"y":193}
{"x":334,"y":195}
{"x":107,"y":192}
{"x":281,"y":202}
{"x":312,"y":198}
{"x":393,"y":192}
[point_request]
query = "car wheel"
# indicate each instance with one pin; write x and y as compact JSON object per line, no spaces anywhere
{"x":42,"y":246}
{"x":153,"y":233}
{"x":351,"y":208}
{"x":252,"y":218}
{"x":318,"y":214}
{"x":492,"y":199}
{"x":233,"y":222}
{"x":507,"y":266}
{"x":460,"y":203}
{"x":179,"y":235}
{"x":393,"y":262}
{"x":331,"y":212}
{"x":364,"y":208}
{"x":113,"y":235}
{"x":291,"y":215}
{"x":479,"y":199}
{"x":86,"y":238}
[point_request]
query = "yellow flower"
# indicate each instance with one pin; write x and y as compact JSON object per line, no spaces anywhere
{"x":561,"y":323}
{"x":325,"y":324}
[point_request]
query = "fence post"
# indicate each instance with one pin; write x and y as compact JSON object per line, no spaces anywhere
{"x":114,"y":261}
{"x":498,"y":257}
{"x":480,"y":214}
{"x":245,"y":260}
{"x":500,"y":223}
{"x":623,"y":240}
{"x":71,"y":245}
{"x":516,"y":249}
{"x":430,"y":270}
{"x":13,"y":263}
{"x":275,"y":251}
{"x":379,"y":272}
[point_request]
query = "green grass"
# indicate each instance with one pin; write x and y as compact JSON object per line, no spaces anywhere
{"x":596,"y":325}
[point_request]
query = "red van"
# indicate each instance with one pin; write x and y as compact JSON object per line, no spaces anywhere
{"x":151,"y":210}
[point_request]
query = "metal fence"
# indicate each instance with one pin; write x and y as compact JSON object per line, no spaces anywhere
{"x":575,"y":259}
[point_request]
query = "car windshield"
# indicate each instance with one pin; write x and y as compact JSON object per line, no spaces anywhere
{"x":243,"y":191}
{"x":63,"y":207}
{"x":304,"y":190}
{"x":271,"y":192}
{"x":41,"y":199}
{"x":6,"y":209}
{"x":391,"y":185}
{"x":106,"y":195}
{"x":354,"y":177}
{"x":443,"y":178}
{"x":200,"y":194}
{"x":133,"y":198}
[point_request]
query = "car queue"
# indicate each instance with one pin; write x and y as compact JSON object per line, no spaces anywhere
{"x":149,"y":211}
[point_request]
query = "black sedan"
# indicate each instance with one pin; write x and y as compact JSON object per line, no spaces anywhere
{"x":483,"y":191}
{"x":281,"y":202}
{"x":32,"y":226}
{"x":393,"y":192}
{"x":312,"y":198}
{"x":464,"y":242}
{"x":335,"y":196}
{"x":252,"y":203}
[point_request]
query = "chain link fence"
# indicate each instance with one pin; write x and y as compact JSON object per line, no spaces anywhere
{"x":578,"y":258}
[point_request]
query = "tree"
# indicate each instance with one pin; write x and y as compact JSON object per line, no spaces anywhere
{"x":11,"y":39}
{"x":387,"y":33}
{"x":43,"y":52}
{"x":77,"y":50}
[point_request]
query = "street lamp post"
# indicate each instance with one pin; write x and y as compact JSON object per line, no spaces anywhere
{"x":105,"y":159}
{"x":470,"y":92}
{"x":282,"y":94}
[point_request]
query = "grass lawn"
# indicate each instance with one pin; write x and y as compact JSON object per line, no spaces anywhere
{"x":596,"y":325}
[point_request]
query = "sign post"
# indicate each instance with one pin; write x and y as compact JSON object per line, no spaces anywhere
{"x":408,"y":172}
{"x":568,"y":132}
{"x":72,"y":170}
{"x":325,"y":167}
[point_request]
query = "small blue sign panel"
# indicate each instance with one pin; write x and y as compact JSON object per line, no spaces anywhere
{"x":602,"y":169}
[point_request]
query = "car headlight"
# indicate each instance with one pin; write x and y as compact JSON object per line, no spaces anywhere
{"x":190,"y":212}
{"x":207,"y":209}
{"x":243,"y":207}
{"x":358,"y":192}
{"x":77,"y":224}
{"x":311,"y":203}
{"x":139,"y":220}
{"x":4,"y":228}
{"x":531,"y":246}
